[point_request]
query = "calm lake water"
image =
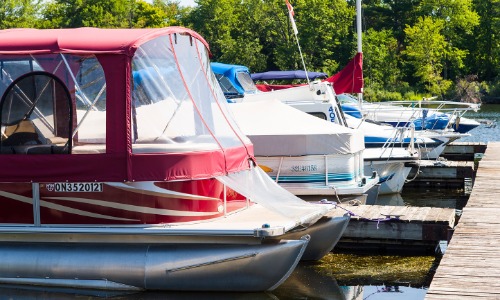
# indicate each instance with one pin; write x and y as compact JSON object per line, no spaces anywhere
{"x":338,"y":276}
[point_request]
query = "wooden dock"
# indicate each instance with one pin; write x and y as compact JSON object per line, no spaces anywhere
{"x":395,"y":227}
{"x":455,"y":169}
{"x":463,"y":151}
{"x":441,"y":173}
{"x":470,"y":268}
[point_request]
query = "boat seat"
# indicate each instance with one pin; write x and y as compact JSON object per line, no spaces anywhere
{"x":34,"y":149}
{"x":56,"y":140}
{"x":46,"y":149}
{"x":89,"y":149}
{"x":172,"y":148}
{"x":22,"y":133}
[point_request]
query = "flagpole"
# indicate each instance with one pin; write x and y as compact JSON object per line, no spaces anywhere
{"x":360,"y":43}
{"x":295,"y":31}
{"x":302,"y":57}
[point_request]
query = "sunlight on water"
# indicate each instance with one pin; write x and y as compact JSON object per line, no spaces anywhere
{"x":489,"y":130}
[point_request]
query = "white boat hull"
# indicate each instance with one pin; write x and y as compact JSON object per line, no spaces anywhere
{"x":327,"y":175}
{"x":392,"y":175}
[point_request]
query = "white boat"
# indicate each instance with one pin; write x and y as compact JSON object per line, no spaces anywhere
{"x":318,"y":99}
{"x":122,"y":169}
{"x":427,"y":114}
{"x":388,"y":158}
{"x":305,"y":155}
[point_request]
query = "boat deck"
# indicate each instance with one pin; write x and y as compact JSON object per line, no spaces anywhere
{"x":470,"y":267}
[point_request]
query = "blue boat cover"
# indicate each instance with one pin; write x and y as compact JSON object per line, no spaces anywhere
{"x":230,"y":72}
{"x":287,"y":75}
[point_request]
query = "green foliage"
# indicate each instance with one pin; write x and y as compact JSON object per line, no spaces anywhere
{"x":380,"y":59}
{"x":428,"y":51}
{"x":378,"y":95}
{"x":109,"y":14}
{"x":411,"y":47}
{"x":259,"y":33}
{"x":18,"y":13}
{"x":393,"y":15}
{"x":324,"y":33}
{"x":87,"y":13}
{"x":483,"y":44}
{"x":456,"y":15}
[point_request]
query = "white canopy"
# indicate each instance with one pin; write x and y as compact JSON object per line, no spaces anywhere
{"x":277,"y":129}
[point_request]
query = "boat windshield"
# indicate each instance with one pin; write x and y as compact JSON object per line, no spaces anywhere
{"x":246,"y":82}
{"x":177,"y":103}
{"x":34,"y":92}
{"x":227,"y":86}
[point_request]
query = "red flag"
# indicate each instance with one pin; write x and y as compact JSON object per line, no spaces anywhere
{"x":350,"y":78}
{"x":290,"y":8}
{"x":291,"y":13}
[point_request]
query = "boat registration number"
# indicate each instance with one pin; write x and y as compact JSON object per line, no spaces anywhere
{"x":306,"y":168}
{"x":85,"y":187}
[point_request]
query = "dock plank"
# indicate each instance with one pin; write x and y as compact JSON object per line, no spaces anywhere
{"x":396,"y":224}
{"x":470,"y":267}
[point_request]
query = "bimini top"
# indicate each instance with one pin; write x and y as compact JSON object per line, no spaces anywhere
{"x":83,"y":40}
{"x":92,"y":104}
{"x":288,"y":75}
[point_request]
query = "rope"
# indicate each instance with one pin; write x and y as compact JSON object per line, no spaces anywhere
{"x":352,"y":214}
{"x":418,"y":168}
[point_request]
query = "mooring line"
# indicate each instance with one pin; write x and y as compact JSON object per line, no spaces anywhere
{"x":351,"y":213}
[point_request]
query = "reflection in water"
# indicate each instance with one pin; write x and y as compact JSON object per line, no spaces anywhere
{"x":375,"y":269}
{"x":445,"y":198}
{"x":390,"y":199}
{"x":12,"y":292}
{"x":304,"y":283}
{"x":307,"y":283}
{"x":393,"y":292}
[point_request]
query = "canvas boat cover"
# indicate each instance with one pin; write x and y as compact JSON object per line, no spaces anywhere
{"x":287,"y":75}
{"x":277,"y":129}
{"x":237,"y":76}
{"x":147,"y":105}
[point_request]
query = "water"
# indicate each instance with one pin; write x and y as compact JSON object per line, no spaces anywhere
{"x":338,"y":276}
{"x":485,"y":132}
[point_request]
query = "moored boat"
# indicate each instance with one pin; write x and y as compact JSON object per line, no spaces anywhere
{"x":123,"y":170}
{"x":426,"y":114}
{"x":305,"y":155}
{"x":386,"y":152}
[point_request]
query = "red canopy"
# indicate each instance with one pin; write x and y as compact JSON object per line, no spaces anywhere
{"x":114,"y":49}
{"x":82,"y":40}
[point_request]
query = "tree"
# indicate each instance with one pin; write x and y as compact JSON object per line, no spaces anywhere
{"x":110,"y":14}
{"x":484,"y":58}
{"x":428,"y":50}
{"x":18,"y":13}
{"x":258,"y":34}
{"x":393,"y":15}
{"x":87,"y":13}
{"x":459,"y":19}
{"x":380,"y":60}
